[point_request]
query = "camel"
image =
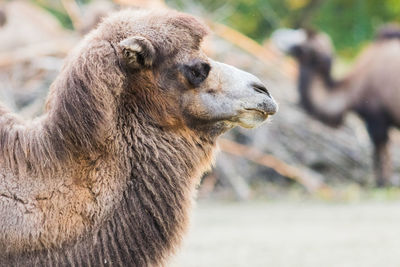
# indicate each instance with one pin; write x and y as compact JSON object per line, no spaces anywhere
{"x":107,"y":176}
{"x":371,"y":89}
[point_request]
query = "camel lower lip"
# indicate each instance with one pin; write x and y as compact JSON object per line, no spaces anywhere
{"x":251,"y":118}
{"x":258,"y":110}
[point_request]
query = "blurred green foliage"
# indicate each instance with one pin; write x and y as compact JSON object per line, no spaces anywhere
{"x":350,"y":23}
{"x":56,"y":8}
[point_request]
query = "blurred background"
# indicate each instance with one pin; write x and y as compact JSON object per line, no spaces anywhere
{"x":293,"y":192}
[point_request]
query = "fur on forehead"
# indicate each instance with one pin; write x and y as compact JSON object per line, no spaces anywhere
{"x":169,"y":31}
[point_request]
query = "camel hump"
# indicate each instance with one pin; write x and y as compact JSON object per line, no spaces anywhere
{"x":388,"y":31}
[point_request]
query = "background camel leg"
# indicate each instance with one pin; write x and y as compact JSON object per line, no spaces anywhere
{"x":378,"y":125}
{"x":382,"y":164}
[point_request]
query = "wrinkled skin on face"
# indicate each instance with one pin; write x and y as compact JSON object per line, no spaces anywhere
{"x":198,"y":92}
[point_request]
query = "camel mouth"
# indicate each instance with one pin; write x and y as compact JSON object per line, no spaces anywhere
{"x":252,"y":117}
{"x":262,"y":112}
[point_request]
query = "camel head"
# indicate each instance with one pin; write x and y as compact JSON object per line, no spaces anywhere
{"x":314,"y":52}
{"x":218,"y":94}
{"x":176,"y":84}
{"x":311,"y":49}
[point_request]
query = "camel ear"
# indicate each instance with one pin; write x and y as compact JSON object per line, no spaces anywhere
{"x":137,"y":52}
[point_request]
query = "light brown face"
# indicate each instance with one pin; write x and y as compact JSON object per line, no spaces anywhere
{"x":218,"y":92}
{"x":201,"y":92}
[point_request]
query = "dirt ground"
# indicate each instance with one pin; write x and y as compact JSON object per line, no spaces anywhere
{"x":296,"y":234}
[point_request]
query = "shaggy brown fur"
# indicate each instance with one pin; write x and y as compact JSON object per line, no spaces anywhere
{"x":89,"y":113}
{"x":107,"y":175}
{"x":372,"y":89}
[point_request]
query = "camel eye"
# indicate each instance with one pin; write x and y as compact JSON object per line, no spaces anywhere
{"x":196,"y":72}
{"x":127,"y":53}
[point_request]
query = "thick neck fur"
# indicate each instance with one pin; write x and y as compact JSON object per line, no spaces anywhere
{"x":79,"y":112}
{"x":151,"y":213}
{"x":92,"y":182}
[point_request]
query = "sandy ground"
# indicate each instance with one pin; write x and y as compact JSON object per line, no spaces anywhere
{"x":292,"y":234}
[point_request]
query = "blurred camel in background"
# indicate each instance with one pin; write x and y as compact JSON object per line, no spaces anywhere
{"x":371,"y":89}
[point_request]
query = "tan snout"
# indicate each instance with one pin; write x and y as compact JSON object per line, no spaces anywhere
{"x":244,"y":98}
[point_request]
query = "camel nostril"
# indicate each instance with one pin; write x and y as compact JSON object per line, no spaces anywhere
{"x":260,"y":89}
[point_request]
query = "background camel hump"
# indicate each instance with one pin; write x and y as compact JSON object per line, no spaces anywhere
{"x":388,"y":31}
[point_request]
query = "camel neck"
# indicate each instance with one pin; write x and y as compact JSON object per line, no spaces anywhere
{"x":154,"y":210}
{"x":321,"y":96}
{"x":151,"y":212}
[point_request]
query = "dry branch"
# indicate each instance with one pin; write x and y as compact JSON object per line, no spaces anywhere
{"x":26,"y":53}
{"x":74,"y":13}
{"x":231,"y":176}
{"x":252,"y":47}
{"x":311,"y":183}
